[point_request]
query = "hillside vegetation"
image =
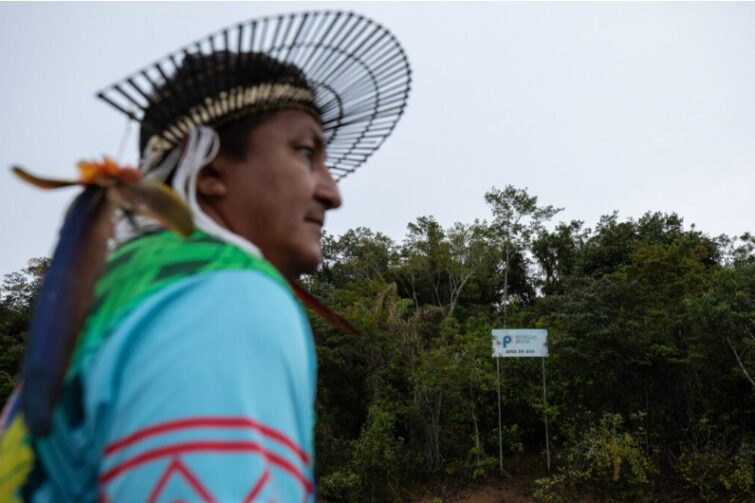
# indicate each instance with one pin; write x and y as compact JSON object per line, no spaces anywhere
{"x":651,"y":373}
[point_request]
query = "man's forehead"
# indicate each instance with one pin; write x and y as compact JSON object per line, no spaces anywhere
{"x":294,"y":122}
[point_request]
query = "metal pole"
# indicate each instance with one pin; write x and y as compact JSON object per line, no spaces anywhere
{"x":545,"y":411}
{"x":500,"y":437}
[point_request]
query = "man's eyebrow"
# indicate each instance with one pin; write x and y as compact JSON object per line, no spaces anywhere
{"x":317,"y":137}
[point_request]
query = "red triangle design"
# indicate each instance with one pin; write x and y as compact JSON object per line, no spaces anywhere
{"x":182,"y":471}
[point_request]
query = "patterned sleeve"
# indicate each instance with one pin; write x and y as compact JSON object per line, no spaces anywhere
{"x":205,"y":393}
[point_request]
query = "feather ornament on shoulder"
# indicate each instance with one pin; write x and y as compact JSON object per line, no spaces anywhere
{"x":65,"y":297}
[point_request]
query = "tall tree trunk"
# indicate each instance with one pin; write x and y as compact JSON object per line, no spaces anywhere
{"x":506,"y":285}
{"x":478,"y":450}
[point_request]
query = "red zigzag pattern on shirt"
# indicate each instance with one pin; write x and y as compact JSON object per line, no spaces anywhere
{"x":176,"y":466}
{"x":175,"y":450}
{"x":205,"y":422}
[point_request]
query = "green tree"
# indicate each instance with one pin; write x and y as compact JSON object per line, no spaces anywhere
{"x":16,"y":300}
{"x":517,"y":219}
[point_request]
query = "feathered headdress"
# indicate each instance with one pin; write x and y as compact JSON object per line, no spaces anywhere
{"x":348,"y":70}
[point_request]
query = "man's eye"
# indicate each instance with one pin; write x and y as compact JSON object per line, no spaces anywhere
{"x":307,"y":152}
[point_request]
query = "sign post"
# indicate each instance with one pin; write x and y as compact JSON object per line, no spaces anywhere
{"x":545,"y":416}
{"x":500,"y":438}
{"x":521,"y":343}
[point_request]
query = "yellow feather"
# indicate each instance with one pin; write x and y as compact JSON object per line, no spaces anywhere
{"x":155,"y":200}
{"x":42,"y":183}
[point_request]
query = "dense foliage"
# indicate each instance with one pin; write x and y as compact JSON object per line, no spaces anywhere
{"x":651,"y":367}
{"x":16,"y":298}
{"x":651,"y":374}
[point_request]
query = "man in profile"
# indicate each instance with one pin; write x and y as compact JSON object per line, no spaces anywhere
{"x":195,"y":375}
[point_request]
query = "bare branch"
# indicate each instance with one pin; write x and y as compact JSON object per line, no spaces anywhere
{"x":739,"y":361}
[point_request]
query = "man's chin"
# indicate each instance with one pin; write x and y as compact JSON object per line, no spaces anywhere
{"x":306,"y":261}
{"x":310,"y":263}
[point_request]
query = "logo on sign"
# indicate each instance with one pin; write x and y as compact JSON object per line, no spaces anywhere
{"x":506,"y":340}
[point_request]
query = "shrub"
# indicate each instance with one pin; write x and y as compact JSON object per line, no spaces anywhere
{"x":716,"y":470}
{"x":340,"y":486}
{"x":603,"y":460}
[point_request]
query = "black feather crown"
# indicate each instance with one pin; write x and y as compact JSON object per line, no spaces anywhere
{"x":348,"y":71}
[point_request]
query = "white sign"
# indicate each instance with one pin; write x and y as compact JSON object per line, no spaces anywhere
{"x":520,"y":342}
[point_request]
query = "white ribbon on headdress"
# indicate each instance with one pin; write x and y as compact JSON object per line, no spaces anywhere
{"x":201,"y":147}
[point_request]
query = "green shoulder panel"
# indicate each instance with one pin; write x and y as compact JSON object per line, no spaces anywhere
{"x":147,"y":264}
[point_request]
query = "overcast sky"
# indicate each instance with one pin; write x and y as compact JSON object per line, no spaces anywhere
{"x":592,"y":107}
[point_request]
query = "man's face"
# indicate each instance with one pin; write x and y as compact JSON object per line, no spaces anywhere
{"x":277,"y":197}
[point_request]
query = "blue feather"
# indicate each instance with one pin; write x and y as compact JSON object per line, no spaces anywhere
{"x":55,"y":322}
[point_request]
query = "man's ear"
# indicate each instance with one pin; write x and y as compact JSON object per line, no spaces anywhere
{"x":211,"y":182}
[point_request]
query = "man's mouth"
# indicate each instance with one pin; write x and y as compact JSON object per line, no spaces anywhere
{"x":315,"y":220}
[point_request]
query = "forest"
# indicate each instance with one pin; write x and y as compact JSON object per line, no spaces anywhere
{"x":651,"y":366}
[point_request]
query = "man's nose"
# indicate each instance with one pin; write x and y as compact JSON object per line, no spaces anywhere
{"x":327,"y":190}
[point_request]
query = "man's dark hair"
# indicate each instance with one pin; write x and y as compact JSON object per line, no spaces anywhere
{"x":234,"y":135}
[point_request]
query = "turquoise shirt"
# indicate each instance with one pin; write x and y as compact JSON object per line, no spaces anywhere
{"x":203,"y":392}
